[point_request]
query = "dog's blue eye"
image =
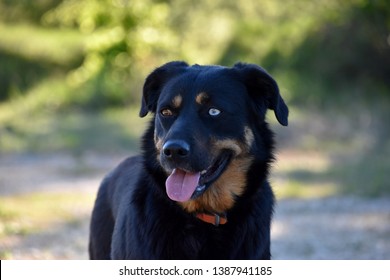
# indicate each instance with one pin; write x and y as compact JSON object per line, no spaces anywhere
{"x":214,"y":112}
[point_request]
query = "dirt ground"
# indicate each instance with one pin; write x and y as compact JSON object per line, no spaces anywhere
{"x":335,"y":227}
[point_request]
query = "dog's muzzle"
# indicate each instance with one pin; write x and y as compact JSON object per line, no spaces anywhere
{"x":186,"y":182}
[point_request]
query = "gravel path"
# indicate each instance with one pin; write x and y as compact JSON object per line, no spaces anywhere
{"x":326,"y":228}
{"x":332,"y":228}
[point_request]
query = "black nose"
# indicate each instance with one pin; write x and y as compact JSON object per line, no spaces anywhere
{"x":176,"y":149}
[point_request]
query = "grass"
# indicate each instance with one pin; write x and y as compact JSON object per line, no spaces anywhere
{"x":340,"y":149}
{"x":348,"y":176}
{"x":366,"y":176}
{"x":299,"y":174}
{"x":26,"y":214}
{"x":74,"y":131}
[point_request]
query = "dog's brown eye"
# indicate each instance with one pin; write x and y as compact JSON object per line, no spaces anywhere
{"x":214,"y":112}
{"x":166,"y":112}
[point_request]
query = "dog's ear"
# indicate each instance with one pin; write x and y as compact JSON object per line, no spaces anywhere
{"x":263,"y":88}
{"x":155,"y":82}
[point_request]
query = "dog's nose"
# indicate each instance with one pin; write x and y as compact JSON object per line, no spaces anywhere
{"x":176,"y":149}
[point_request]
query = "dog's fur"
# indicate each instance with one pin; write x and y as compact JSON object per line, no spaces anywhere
{"x":208,"y":121}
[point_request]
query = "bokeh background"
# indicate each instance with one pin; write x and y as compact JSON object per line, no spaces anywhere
{"x":71,"y":74}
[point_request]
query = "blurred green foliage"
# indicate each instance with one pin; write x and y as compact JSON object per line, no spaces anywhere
{"x":102,"y":49}
{"x":349,"y":51}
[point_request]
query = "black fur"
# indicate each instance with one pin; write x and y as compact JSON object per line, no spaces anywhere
{"x":133,"y":217}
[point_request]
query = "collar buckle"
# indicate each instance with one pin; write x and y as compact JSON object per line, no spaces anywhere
{"x":214,"y":219}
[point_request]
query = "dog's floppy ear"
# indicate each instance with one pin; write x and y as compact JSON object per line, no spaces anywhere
{"x":155,"y":82}
{"x":263,"y":88}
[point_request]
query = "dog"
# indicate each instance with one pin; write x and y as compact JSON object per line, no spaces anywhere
{"x":199,"y":189}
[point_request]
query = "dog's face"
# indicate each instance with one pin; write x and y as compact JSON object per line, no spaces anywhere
{"x":206,"y":120}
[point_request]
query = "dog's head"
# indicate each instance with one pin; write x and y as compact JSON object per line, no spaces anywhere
{"x":207,"y":128}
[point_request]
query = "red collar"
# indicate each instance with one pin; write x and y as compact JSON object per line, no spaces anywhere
{"x":214,"y":219}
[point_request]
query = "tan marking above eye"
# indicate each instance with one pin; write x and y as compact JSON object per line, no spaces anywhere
{"x":177,"y":101}
{"x":202,"y":98}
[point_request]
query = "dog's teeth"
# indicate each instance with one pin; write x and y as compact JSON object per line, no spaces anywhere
{"x":203,"y":172}
{"x":200,"y":188}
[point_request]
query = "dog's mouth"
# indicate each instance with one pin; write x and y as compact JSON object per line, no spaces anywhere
{"x":182,"y":185}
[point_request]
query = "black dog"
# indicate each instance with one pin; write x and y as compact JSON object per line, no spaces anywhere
{"x":199,"y":190}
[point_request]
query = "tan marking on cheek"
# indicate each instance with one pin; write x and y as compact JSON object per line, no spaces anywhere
{"x":220,"y":196}
{"x":202,"y":98}
{"x":177,"y":101}
{"x":228,"y":144}
{"x":158,"y":142}
{"x":249,"y":136}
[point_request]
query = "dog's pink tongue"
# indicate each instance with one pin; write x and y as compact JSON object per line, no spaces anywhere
{"x":181,"y":185}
